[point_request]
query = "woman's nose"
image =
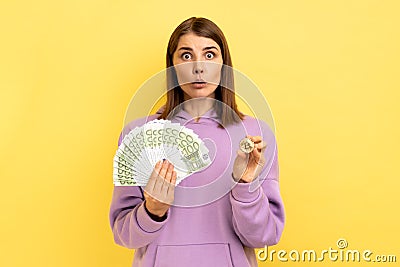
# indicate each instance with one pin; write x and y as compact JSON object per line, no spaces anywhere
{"x":198,"y":67}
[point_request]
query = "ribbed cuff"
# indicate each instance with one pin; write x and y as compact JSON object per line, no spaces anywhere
{"x":147,"y":223}
{"x":241,"y":192}
{"x":155,"y":217}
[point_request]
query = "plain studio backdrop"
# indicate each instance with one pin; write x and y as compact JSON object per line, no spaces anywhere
{"x":68,"y":69}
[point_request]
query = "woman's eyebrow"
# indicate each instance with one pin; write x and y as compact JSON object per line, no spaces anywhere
{"x":185,"y":48}
{"x":190,"y":49}
{"x":210,"y":47}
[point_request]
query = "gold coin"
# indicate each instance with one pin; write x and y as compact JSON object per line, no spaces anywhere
{"x":246,"y":145}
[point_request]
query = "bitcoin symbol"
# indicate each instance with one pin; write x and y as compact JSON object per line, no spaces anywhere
{"x":246,"y":145}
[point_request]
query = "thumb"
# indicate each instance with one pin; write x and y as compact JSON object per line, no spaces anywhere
{"x":241,"y":154}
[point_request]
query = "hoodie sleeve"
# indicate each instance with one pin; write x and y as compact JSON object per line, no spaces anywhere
{"x":258,"y":215}
{"x":131,"y":225}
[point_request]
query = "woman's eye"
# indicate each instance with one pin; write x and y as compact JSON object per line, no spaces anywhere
{"x":186,"y":56}
{"x":209,"y":55}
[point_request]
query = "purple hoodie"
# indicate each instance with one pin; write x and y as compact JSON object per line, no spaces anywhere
{"x":213,"y":221}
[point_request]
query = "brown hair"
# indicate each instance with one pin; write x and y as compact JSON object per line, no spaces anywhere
{"x":227,"y":110}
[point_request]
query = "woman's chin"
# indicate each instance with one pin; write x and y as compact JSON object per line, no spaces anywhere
{"x":196,"y":92}
{"x":199,"y":96}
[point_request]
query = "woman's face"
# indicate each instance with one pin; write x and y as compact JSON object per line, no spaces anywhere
{"x":198,"y":62}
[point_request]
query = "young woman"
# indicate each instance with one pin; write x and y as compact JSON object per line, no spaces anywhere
{"x":217,"y":216}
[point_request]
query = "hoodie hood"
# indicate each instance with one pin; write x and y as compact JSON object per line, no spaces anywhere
{"x":183,"y":117}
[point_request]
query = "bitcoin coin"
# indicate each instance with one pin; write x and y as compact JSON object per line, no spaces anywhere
{"x":246,"y":145}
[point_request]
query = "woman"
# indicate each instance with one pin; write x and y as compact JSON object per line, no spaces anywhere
{"x":195,"y":224}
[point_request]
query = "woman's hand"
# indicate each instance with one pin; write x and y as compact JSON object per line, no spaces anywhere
{"x":159,"y":191}
{"x":248,"y":166}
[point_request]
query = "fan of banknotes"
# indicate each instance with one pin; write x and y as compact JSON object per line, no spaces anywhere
{"x":156,"y":140}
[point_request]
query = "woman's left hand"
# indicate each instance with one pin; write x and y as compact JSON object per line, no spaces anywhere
{"x":248,"y":166}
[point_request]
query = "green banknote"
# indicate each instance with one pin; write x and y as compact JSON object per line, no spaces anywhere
{"x":156,"y":140}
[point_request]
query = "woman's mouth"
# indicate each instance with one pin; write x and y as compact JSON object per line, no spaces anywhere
{"x":199,"y":84}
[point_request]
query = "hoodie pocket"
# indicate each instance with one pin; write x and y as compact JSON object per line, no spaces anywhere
{"x":194,"y":255}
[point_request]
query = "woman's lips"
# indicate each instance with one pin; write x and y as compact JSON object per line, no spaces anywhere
{"x":199,"y":85}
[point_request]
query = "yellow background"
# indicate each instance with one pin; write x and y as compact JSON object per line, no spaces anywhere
{"x":68,"y":70}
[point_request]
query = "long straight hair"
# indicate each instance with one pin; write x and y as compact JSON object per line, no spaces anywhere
{"x":226,"y":106}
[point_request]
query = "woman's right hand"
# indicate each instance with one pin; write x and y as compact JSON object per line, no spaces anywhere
{"x":159,"y":191}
